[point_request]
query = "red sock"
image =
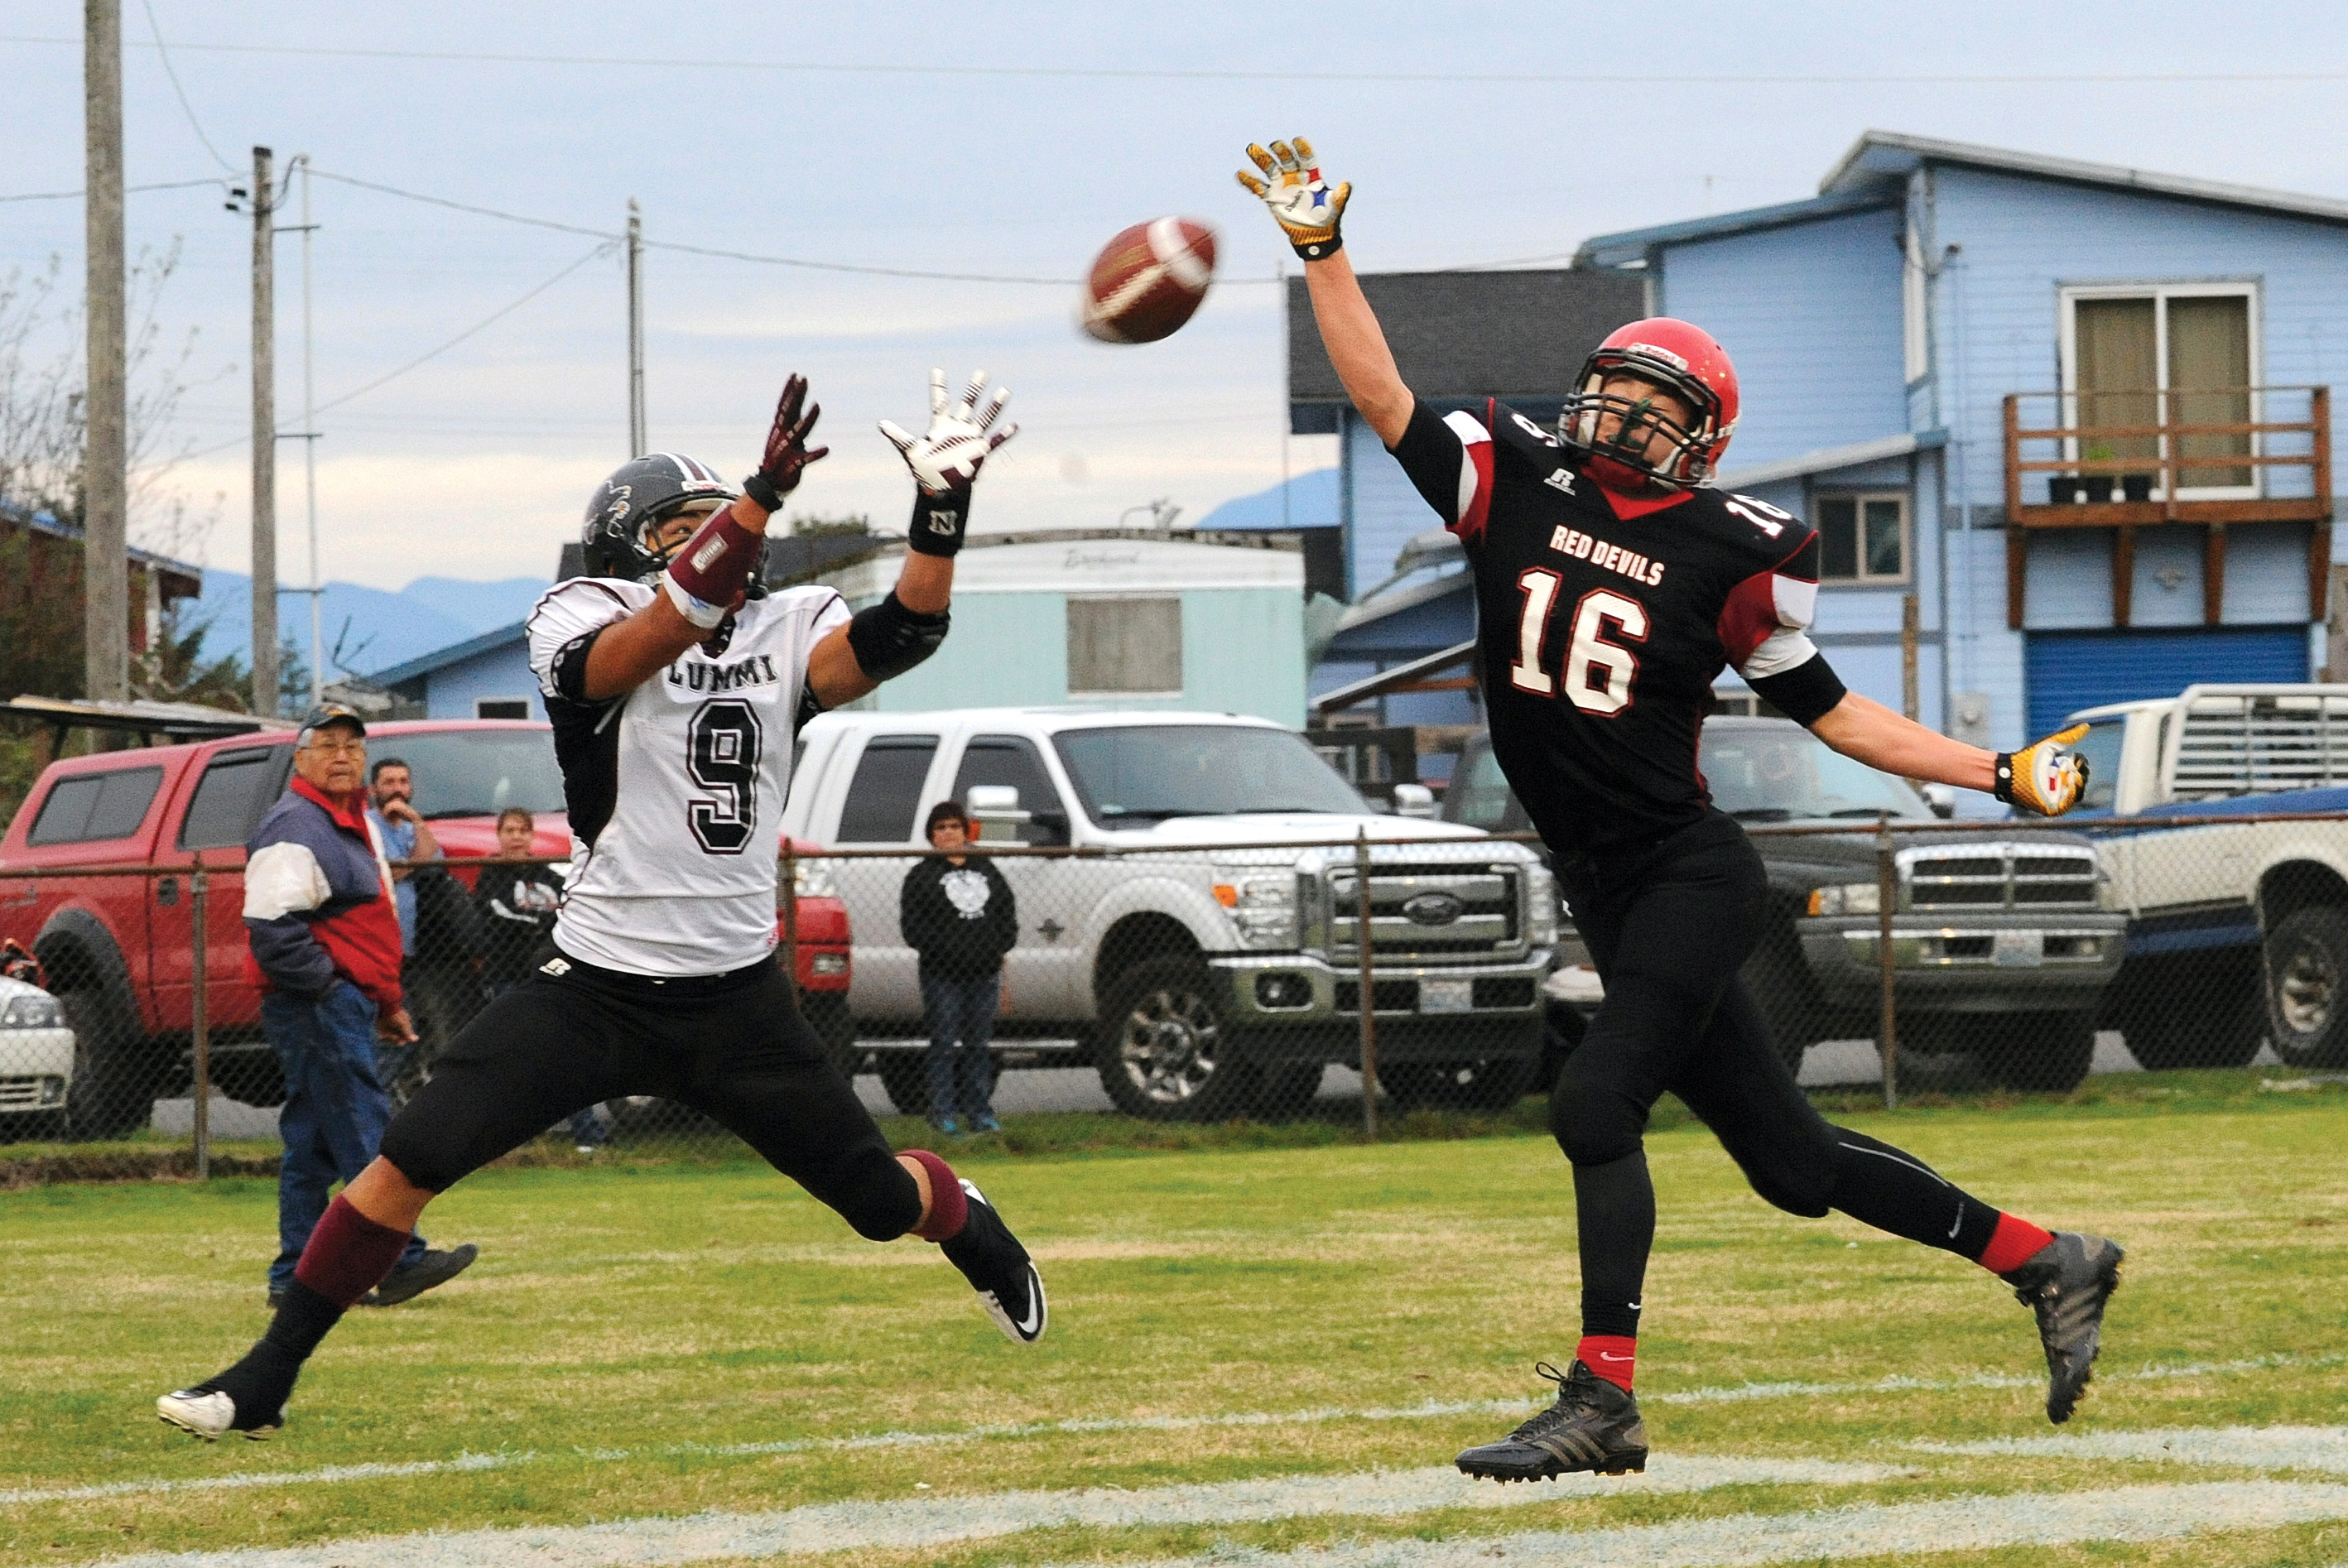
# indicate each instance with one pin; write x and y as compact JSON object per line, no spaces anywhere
{"x":348,"y":1254}
{"x":948,"y":1207}
{"x":1613,"y":1356}
{"x":2013,"y":1244}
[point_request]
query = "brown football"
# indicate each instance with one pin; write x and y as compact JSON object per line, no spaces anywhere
{"x":1146,"y":282}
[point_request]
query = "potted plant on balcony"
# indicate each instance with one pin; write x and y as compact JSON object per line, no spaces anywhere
{"x":2097,"y":487}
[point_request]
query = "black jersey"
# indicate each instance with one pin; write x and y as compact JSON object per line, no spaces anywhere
{"x":1604,"y":619}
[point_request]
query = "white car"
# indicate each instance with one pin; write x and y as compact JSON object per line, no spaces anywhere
{"x":37,"y":1059}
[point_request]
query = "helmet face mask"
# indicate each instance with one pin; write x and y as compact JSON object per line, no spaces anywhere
{"x":620,"y":537}
{"x":1666,"y":356}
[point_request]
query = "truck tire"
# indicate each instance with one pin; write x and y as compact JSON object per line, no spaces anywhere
{"x":1284,"y":1091}
{"x":827,"y":1014}
{"x":2307,"y":987}
{"x":1164,"y":1054}
{"x":1488,"y":1083}
{"x":2208,"y":1014}
{"x":905,"y":1077}
{"x":1788,"y":1000}
{"x":256,"y":1079}
{"x":116,"y":1075}
{"x":2039,"y":1053}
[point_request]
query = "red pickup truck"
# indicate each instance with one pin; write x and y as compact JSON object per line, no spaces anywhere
{"x":119,"y":951}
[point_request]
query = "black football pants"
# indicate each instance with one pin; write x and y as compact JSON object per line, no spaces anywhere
{"x":1668,"y":927}
{"x":733,"y":1047}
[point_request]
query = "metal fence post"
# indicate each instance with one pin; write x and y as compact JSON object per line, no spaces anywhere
{"x":199,"y":885}
{"x":1887,"y":899}
{"x":790,"y":890}
{"x":1369,"y":995}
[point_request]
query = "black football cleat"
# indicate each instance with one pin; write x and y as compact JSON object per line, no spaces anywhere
{"x":407,"y":1281}
{"x":2067,"y":1284}
{"x":999,"y":1269}
{"x":1593,"y":1426}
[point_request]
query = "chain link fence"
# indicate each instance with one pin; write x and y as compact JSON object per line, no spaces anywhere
{"x":1217,"y":981}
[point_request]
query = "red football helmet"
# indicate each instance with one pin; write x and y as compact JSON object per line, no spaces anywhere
{"x":1681,"y":359}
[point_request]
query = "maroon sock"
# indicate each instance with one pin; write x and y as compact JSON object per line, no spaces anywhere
{"x":948,"y":1207}
{"x":348,"y":1254}
{"x":2013,"y":1244}
{"x":1613,"y":1356}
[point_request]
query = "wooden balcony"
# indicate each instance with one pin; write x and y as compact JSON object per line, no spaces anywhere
{"x":2216,"y":475}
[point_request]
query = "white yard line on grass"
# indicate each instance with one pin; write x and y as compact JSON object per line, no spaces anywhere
{"x":2251,"y":1448}
{"x":1433,"y":1409}
{"x":1747,"y":1539}
{"x":921,"y":1523}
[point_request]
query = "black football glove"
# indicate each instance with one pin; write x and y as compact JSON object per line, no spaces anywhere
{"x":787,"y":455}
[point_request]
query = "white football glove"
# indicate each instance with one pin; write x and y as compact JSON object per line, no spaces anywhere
{"x":959,"y":438}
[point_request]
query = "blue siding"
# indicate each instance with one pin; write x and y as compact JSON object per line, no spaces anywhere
{"x":1811,"y":317}
{"x":1387,"y":509}
{"x":450,"y":692}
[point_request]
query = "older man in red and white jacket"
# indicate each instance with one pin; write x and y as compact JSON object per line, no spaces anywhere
{"x":325,"y":954}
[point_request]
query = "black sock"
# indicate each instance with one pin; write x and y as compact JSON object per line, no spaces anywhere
{"x":260,"y":1383}
{"x":1614,"y":1206}
{"x":1893,"y":1190}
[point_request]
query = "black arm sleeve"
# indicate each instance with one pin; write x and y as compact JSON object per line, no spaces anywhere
{"x":888,"y":639}
{"x":569,"y":668}
{"x":1805,"y":693}
{"x":1431,"y":453}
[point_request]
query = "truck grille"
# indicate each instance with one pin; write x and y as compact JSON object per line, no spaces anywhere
{"x":1427,"y":912}
{"x":2000,"y":876}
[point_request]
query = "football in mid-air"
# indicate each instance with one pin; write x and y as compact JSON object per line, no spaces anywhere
{"x":1146,"y":282}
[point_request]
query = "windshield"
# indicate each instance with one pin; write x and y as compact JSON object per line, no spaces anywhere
{"x":1479,"y":795}
{"x":1781,"y":774}
{"x":1149,"y":773}
{"x":2100,"y":747}
{"x":475,"y":772}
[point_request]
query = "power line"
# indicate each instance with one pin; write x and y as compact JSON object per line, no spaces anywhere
{"x":468,"y":207}
{"x":181,"y":93}
{"x":127,"y":190}
{"x":1527,"y":78}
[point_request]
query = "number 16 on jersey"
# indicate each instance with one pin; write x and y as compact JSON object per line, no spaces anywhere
{"x":1599,"y":673}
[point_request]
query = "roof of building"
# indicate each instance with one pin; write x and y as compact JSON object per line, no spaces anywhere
{"x":1825,"y":459}
{"x":1873,"y":172}
{"x":1463,"y":334}
{"x":177,"y":579}
{"x":454,"y":654}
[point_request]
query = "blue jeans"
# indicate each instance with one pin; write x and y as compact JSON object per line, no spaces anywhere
{"x":335,"y":1113}
{"x":962,"y":1082}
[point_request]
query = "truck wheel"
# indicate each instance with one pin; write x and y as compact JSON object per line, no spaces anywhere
{"x":256,"y":1079}
{"x":1284,"y":1091}
{"x":2041,"y":1053}
{"x":827,"y":1014}
{"x":1788,"y":1002}
{"x":115,"y":1075}
{"x":1488,"y":1083}
{"x":2307,"y":988}
{"x":906,"y":1078}
{"x":2208,"y":1016}
{"x":1164,"y":1052}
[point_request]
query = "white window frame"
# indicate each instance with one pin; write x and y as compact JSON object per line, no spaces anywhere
{"x":1859,"y":500}
{"x":1086,"y":693}
{"x":2160,"y":293}
{"x":480,"y":700}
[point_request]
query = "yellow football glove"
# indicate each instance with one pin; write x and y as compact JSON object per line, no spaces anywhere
{"x":2045,"y":778}
{"x":1307,"y":210}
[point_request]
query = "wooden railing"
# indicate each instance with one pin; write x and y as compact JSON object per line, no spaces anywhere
{"x":2127,"y":492}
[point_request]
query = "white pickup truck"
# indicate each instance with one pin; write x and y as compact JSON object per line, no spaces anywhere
{"x":1198,"y":948}
{"x":2237,"y":931}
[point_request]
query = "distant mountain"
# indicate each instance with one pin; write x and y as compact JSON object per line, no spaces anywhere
{"x":377,"y":628}
{"x":1312,"y":503}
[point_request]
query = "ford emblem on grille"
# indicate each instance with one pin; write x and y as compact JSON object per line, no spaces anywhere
{"x":1434,"y":909}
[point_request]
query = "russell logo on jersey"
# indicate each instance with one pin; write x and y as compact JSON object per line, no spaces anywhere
{"x":1613,"y":557}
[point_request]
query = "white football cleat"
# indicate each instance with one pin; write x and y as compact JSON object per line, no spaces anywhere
{"x":211,"y":1415}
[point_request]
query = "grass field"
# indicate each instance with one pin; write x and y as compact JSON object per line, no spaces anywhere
{"x":1254,"y":1354}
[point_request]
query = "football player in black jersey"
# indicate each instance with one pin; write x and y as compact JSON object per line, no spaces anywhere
{"x":1612,"y":588}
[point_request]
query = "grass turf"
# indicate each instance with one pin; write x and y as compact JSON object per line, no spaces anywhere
{"x":628,"y":1325}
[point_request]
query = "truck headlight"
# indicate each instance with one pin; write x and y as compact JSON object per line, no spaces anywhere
{"x":1263,"y":908}
{"x":1541,"y":907}
{"x":32,"y":1013}
{"x":1848,"y":898}
{"x":813,"y":879}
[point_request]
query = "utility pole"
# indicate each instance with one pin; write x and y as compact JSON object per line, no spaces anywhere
{"x":265,"y":698}
{"x":310,"y":450}
{"x":636,"y":442}
{"x":106,"y":567}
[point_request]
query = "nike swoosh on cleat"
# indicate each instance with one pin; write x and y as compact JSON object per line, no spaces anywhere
{"x":1959,"y":1221}
{"x":1034,"y":1305}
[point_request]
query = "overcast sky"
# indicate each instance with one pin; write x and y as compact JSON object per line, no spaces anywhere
{"x":893,"y":136}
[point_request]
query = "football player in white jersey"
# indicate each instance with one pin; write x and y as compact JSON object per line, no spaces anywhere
{"x":675,"y":682}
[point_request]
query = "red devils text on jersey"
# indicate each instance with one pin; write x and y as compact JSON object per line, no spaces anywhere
{"x":1603,"y":620}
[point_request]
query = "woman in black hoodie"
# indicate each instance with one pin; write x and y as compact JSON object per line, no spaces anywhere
{"x":958,"y":915}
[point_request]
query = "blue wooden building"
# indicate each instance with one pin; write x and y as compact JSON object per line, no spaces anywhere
{"x":2079,"y":412}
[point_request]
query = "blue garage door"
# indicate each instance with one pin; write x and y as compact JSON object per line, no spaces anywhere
{"x":2071,"y":670}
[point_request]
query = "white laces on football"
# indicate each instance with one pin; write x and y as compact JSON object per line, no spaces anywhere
{"x":960,"y":437}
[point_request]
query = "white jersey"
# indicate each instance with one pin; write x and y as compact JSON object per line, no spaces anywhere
{"x":675,"y":789}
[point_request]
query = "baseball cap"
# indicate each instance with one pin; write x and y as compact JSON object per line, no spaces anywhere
{"x":331,"y":712}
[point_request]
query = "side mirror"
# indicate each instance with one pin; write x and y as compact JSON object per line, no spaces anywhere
{"x":1413,"y":800}
{"x":1943,"y":798}
{"x":994,"y":809}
